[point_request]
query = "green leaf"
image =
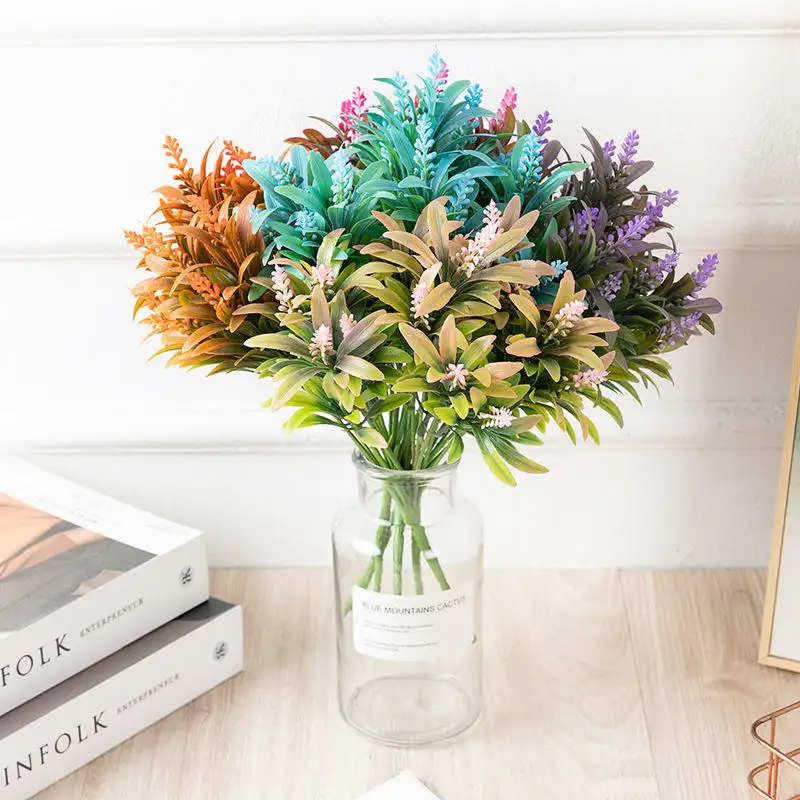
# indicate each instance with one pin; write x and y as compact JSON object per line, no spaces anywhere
{"x":448,"y":340}
{"x":388,"y":404}
{"x":477,"y":351}
{"x":280,"y":341}
{"x":510,"y":453}
{"x":456,"y":449}
{"x":389,"y":297}
{"x":446,"y":415}
{"x":320,"y":312}
{"x":524,"y":424}
{"x":611,"y":409}
{"x":461,"y":405}
{"x":342,"y":379}
{"x":412,"y":385}
{"x":511,"y":272}
{"x":322,"y":177}
{"x":422,"y":346}
{"x":371,"y":438}
{"x":291,"y":384}
{"x":363,"y":276}
{"x":477,"y":398}
{"x":297,"y":419}
{"x":553,"y":368}
{"x":566,"y":426}
{"x":361,"y":338}
{"x":353,"y":365}
{"x":527,"y":307}
{"x":437,"y":220}
{"x":528,"y":439}
{"x":591,"y":429}
{"x":327,"y":246}
{"x":501,"y":245}
{"x":524,"y":348}
{"x":583,"y":355}
{"x":493,"y":461}
{"x":438,"y":298}
{"x":302,"y":198}
{"x":414,"y":243}
{"x":596,"y":325}
{"x":315,"y":419}
{"x":391,"y":355}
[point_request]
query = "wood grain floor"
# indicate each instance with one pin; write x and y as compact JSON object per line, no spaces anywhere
{"x":599,"y":685}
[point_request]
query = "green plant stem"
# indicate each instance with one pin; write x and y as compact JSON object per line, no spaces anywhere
{"x":408,"y":509}
{"x":427,"y":444}
{"x":374,"y":571}
{"x":415,"y":442}
{"x":416,"y":564}
{"x":419,"y":534}
{"x":399,"y":547}
{"x":440,"y":450}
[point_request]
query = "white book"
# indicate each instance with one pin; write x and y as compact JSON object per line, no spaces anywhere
{"x":402,"y":787}
{"x":73,"y":723}
{"x":82,"y":575}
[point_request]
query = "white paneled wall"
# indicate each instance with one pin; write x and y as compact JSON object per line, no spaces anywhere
{"x":86,"y":99}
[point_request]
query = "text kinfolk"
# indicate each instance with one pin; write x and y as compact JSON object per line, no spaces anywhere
{"x":27,"y":663}
{"x":57,"y":746}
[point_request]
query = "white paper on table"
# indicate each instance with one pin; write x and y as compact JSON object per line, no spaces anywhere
{"x":402,"y":787}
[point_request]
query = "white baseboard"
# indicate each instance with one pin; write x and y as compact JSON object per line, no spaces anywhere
{"x":685,"y":485}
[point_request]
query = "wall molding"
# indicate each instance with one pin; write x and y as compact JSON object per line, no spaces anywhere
{"x":406,"y":36}
{"x":660,"y":425}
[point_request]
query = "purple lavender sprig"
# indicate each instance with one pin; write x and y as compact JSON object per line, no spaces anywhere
{"x":702,"y":275}
{"x":679,"y":330}
{"x":631,"y":232}
{"x":543,"y":125}
{"x":669,"y":197}
{"x":610,"y":287}
{"x":658,"y":270}
{"x":629,"y":149}
{"x":663,"y":200}
{"x":582,"y":221}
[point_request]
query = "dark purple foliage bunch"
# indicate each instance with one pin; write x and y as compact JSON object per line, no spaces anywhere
{"x":618,"y":243}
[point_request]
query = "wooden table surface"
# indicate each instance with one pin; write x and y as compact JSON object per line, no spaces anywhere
{"x":601,"y":685}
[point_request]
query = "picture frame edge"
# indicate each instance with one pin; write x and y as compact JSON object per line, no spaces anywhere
{"x":765,"y":656}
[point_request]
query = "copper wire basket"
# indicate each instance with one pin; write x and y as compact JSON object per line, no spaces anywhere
{"x":764,"y":779}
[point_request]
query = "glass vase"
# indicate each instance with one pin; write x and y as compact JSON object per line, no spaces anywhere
{"x":408,"y":560}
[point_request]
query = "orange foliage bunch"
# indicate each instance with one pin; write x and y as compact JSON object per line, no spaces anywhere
{"x":201,"y":256}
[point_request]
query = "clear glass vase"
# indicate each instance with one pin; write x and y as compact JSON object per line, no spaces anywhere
{"x":409,"y":568}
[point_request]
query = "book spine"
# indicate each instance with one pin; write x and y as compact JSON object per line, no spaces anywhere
{"x":101,"y":622}
{"x":89,"y":725}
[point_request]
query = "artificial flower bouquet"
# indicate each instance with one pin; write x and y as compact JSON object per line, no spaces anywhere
{"x":425,"y":271}
{"x":422,"y":271}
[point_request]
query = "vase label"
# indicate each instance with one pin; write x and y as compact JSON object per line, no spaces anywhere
{"x":393,"y":627}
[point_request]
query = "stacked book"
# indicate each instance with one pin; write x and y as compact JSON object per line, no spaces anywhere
{"x":106,"y":625}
